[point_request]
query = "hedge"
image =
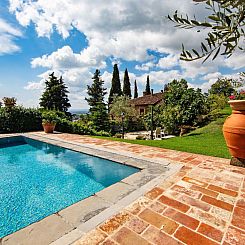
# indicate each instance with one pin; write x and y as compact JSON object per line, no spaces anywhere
{"x":19,"y":119}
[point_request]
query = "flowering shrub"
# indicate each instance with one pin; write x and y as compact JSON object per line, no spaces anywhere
{"x":232,"y":97}
{"x":238,"y":96}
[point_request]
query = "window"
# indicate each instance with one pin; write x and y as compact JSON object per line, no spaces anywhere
{"x":142,"y":111}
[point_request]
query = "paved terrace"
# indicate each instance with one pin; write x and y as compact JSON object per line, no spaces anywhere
{"x":204,"y":203}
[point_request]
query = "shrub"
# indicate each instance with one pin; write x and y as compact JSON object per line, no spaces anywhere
{"x":183,"y":106}
{"x":50,"y":117}
{"x":79,"y":127}
{"x":118,"y":135}
{"x":19,"y":119}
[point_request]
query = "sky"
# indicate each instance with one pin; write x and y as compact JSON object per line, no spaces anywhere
{"x":73,"y":38}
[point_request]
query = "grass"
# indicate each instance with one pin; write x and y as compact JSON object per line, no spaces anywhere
{"x":207,"y":140}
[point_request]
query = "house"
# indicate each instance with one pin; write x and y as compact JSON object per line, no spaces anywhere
{"x":142,"y":103}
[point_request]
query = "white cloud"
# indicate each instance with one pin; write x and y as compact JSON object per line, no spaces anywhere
{"x":236,"y":61}
{"x":8,"y":34}
{"x":169,"y":61}
{"x":210,"y":79}
{"x":124,"y":29}
{"x":145,"y":67}
{"x":118,"y":30}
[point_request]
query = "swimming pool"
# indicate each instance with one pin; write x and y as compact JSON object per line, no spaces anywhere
{"x":38,"y":179}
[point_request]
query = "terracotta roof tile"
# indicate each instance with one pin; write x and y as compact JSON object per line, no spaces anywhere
{"x":148,"y":99}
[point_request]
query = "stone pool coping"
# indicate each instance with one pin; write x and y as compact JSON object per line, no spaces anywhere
{"x":69,"y":224}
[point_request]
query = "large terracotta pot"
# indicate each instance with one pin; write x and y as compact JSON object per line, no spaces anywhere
{"x":48,"y":127}
{"x":234,"y":129}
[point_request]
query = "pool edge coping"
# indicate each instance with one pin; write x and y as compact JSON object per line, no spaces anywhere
{"x":156,"y":172}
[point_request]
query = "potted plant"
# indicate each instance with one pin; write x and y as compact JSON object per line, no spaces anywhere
{"x":234,"y":129}
{"x":9,"y":102}
{"x":49,"y":120}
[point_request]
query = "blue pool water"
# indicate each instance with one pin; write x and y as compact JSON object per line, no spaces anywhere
{"x":39,"y":179}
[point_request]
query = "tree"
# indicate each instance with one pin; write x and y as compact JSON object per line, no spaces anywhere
{"x":115,"y":84}
{"x":126,"y":85}
{"x":55,"y":95}
{"x":148,"y":87}
{"x":222,"y":87}
{"x":98,"y":110}
{"x":135,"y":90}
{"x":183,"y":106}
{"x":96,"y":92}
{"x":225,"y":29}
{"x":121,"y":104}
{"x":9,"y":102}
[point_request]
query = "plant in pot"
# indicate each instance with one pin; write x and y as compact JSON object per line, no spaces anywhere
{"x":49,"y":120}
{"x":234,"y":127}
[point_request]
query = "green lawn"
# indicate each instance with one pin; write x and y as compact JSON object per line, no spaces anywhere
{"x":207,"y":140}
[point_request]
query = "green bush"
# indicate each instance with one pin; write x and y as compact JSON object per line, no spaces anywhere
{"x":19,"y":119}
{"x":50,"y":117}
{"x":118,"y":136}
{"x":79,"y":127}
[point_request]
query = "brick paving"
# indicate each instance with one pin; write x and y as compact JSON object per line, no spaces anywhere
{"x":204,"y":203}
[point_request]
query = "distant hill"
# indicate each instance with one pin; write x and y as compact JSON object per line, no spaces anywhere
{"x":78,"y":111}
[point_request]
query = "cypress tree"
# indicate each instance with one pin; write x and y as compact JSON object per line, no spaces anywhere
{"x":126,"y":85}
{"x":96,"y":92}
{"x":98,"y":110}
{"x":55,"y":95}
{"x":148,"y":88}
{"x":135,"y":90}
{"x":115,"y":84}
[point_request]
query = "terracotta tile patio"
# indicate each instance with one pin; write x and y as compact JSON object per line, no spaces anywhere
{"x":204,"y":203}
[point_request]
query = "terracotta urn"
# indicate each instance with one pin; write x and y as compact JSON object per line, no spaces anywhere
{"x":48,"y":127}
{"x":234,"y":129}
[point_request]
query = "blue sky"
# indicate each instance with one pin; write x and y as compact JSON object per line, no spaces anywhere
{"x":73,"y":38}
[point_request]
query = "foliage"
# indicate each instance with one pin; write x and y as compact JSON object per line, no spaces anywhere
{"x":239,"y":85}
{"x":148,"y":87}
{"x":126,"y":85}
{"x":157,"y":117}
{"x":207,"y":140}
{"x":98,"y":110}
{"x":216,"y":102}
{"x":55,"y":95}
{"x":115,"y":84}
{"x":225,"y":29}
{"x":240,"y":95}
{"x":183,"y":106}
{"x":121,"y":105}
{"x":50,"y":117}
{"x":19,"y":119}
{"x":100,"y":117}
{"x":96,"y":92}
{"x":135,"y":90}
{"x":117,"y":135}
{"x":9,"y":102}
{"x":222,"y":87}
{"x":79,"y":127}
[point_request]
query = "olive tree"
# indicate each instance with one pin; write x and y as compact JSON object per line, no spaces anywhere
{"x":225,"y":26}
